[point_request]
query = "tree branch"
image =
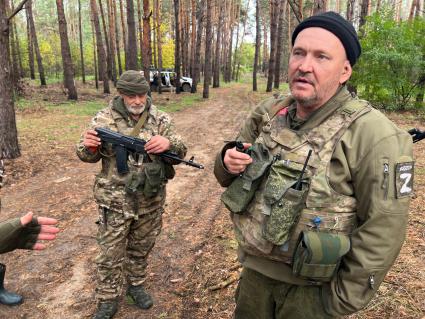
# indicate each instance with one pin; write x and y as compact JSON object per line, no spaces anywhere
{"x":18,"y":8}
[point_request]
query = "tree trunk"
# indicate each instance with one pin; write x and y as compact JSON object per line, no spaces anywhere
{"x":147,"y":53}
{"x":177,"y":51}
{"x":9,"y":147}
{"x":96,"y":78}
{"x":30,"y":48}
{"x":103,"y":72}
{"x":257,"y":45}
{"x":124,"y":33}
{"x":35,"y":42}
{"x":319,"y":6}
{"x":217,"y":66}
{"x":274,"y":13}
{"x":83,"y":73}
{"x":197,"y":61}
{"x":185,"y":47}
{"x":108,"y":46}
{"x":279,"y":40}
{"x":237,"y":42}
{"x":132,"y":39}
{"x":208,"y":41}
{"x":117,"y":37}
{"x":158,"y":42}
{"x":193,"y":39}
{"x":68,"y":69}
{"x":154,"y":38}
{"x":112,"y":25}
{"x":265,"y":63}
{"x":18,"y":49}
{"x":242,"y":39}
{"x":14,"y":58}
{"x":364,"y":12}
{"x":139,"y":29}
{"x":229,"y":53}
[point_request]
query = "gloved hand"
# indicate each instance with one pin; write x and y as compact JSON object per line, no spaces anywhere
{"x":26,"y":232}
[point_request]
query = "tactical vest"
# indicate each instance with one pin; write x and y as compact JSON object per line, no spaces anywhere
{"x":278,"y":213}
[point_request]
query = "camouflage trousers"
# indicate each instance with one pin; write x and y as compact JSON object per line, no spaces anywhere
{"x":261,"y":297}
{"x":124,"y":244}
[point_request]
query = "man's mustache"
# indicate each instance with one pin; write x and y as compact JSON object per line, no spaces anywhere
{"x":303,"y":77}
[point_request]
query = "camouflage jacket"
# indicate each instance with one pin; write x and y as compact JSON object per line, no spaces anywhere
{"x":365,"y":166}
{"x":110,"y":186}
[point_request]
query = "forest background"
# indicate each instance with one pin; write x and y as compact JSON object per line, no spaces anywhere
{"x":60,"y":60}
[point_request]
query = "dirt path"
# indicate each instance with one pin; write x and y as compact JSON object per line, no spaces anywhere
{"x":59,"y":282}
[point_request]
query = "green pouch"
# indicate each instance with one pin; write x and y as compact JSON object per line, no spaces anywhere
{"x":169,"y":171}
{"x":155,"y":178}
{"x":135,"y":182}
{"x":284,"y":200}
{"x":240,"y":193}
{"x":318,"y":254}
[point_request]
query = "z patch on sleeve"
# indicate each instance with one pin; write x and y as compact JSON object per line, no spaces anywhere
{"x":404,"y":179}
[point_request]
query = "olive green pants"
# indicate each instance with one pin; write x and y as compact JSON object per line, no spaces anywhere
{"x":260,"y":297}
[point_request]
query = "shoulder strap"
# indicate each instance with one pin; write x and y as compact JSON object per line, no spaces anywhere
{"x":138,"y":127}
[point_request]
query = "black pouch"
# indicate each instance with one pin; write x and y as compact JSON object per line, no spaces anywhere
{"x":155,"y":178}
{"x":240,"y":193}
{"x":284,"y":200}
{"x":318,"y":254}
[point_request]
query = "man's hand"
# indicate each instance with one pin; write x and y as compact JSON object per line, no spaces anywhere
{"x":47,"y":231}
{"x":91,"y":141}
{"x":157,"y":144}
{"x":235,"y":161}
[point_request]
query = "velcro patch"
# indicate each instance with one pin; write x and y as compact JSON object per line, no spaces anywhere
{"x":404,"y":179}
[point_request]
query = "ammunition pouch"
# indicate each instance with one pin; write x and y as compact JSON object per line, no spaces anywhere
{"x":318,"y":254}
{"x":240,"y":193}
{"x":285,"y":202}
{"x":150,"y":180}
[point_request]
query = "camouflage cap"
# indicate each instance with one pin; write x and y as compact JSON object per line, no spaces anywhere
{"x":132,"y":82}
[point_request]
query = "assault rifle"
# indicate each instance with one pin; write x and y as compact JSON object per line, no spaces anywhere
{"x":417,"y":134}
{"x":123,"y":144}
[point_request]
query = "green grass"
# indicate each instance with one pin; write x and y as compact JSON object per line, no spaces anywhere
{"x":82,"y":108}
{"x":187,"y":100}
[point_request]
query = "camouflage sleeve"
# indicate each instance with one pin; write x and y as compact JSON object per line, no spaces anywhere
{"x":166,"y":128}
{"x":380,"y":166}
{"x":102,"y":119}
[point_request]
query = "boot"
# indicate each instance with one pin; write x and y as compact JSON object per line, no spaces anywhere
{"x":106,"y":309}
{"x":6,"y":297}
{"x":140,"y":297}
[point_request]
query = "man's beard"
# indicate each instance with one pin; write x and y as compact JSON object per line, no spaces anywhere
{"x":136,"y":110}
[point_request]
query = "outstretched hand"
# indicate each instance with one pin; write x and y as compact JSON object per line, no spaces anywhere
{"x":47,"y":232}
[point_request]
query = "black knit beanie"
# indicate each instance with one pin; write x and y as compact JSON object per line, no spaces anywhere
{"x":339,"y":26}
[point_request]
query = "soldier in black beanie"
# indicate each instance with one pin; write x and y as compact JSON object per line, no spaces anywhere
{"x":322,"y":215}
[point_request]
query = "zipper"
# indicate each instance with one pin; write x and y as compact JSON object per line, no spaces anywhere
{"x":385,"y":182}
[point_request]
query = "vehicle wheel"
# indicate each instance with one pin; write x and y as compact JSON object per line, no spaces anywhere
{"x":186,"y":87}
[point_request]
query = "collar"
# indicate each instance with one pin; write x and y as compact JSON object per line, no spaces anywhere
{"x":322,"y":113}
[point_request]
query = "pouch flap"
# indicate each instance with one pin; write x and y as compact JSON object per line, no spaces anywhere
{"x":325,"y":248}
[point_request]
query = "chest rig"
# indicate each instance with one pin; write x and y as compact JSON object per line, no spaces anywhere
{"x":279,"y":212}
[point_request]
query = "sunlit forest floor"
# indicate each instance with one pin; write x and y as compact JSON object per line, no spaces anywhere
{"x":193,"y":271}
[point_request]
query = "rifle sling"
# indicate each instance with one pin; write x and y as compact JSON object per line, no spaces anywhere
{"x":138,"y":127}
{"x":136,"y":130}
